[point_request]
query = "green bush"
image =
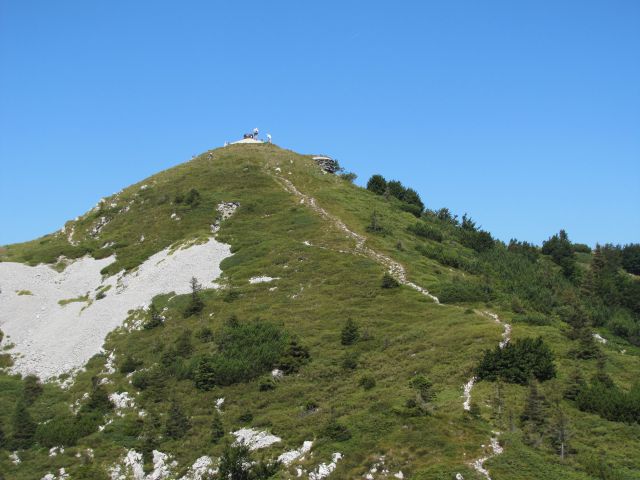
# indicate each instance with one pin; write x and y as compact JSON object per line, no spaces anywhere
{"x":367,"y":382}
{"x":129,"y":365}
{"x":350,"y":361}
{"x":377,"y":184}
{"x":246,"y":351}
{"x":518,"y":361}
{"x":389,"y":282}
{"x":465,"y":290}
{"x":421,"y":229}
{"x":336,"y":431}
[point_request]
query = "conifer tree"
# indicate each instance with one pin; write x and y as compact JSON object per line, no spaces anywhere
{"x":3,"y":438}
{"x":377,"y":184}
{"x":350,"y":333}
{"x":177,"y":423}
{"x":561,"y":432}
{"x":533,"y":416}
{"x":23,"y":427}
{"x":575,"y":385}
{"x":217,"y":429}
{"x":534,"y":408}
{"x":196,"y":304}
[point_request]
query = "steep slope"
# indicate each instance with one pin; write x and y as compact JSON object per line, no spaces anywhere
{"x":303,"y":263}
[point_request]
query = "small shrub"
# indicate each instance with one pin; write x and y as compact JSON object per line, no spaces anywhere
{"x":367,"y":382}
{"x":267,"y":386}
{"x":421,"y":229}
{"x":336,"y":431}
{"x":205,"y":335}
{"x":350,"y":361}
{"x":294,"y":357}
{"x":154,"y":318}
{"x":129,"y":365}
{"x":389,"y":282}
{"x":375,"y":225}
{"x":184,"y":347}
{"x":32,"y":389}
{"x":311,"y":406}
{"x":246,"y":417}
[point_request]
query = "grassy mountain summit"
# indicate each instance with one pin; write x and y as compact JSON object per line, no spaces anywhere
{"x":324,"y":327}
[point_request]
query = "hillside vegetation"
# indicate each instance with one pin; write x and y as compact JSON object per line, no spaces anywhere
{"x":365,"y":365}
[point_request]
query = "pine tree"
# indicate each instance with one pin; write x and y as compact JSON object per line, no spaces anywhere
{"x":575,"y":385}
{"x":377,"y":184}
{"x":534,"y":408}
{"x":196,"y":304}
{"x":23,"y":427}
{"x":149,"y":436}
{"x":561,"y":432}
{"x":350,"y":333}
{"x":533,"y":416}
{"x":3,"y":438}
{"x":177,"y":423}
{"x":217,"y":429}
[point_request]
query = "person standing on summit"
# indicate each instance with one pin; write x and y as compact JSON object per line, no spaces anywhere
{"x":255,"y":133}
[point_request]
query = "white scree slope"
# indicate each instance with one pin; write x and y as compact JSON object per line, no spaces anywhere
{"x":51,"y":339}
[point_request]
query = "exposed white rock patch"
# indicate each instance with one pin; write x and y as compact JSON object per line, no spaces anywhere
{"x":202,"y":469}
{"x":121,"y":401}
{"x":255,"y":439}
{"x":174,"y":216}
{"x":506,"y":337}
{"x":219,"y":404}
{"x":325,"y":469}
{"x":287,"y":458}
{"x":62,"y":475}
{"x":496,"y":449}
{"x":98,"y":226}
{"x":131,"y":467}
{"x":599,"y":338}
{"x":144,"y":187}
{"x":54,"y":451}
{"x":263,"y":279}
{"x":467,"y":393}
{"x":225,"y":210}
{"x":15,"y":459}
{"x":34,"y":322}
{"x":277,"y":374}
{"x":109,"y":364}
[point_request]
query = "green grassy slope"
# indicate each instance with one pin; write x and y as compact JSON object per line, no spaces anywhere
{"x":319,"y":287}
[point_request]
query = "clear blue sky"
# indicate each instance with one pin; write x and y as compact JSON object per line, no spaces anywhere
{"x":524,"y":114}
